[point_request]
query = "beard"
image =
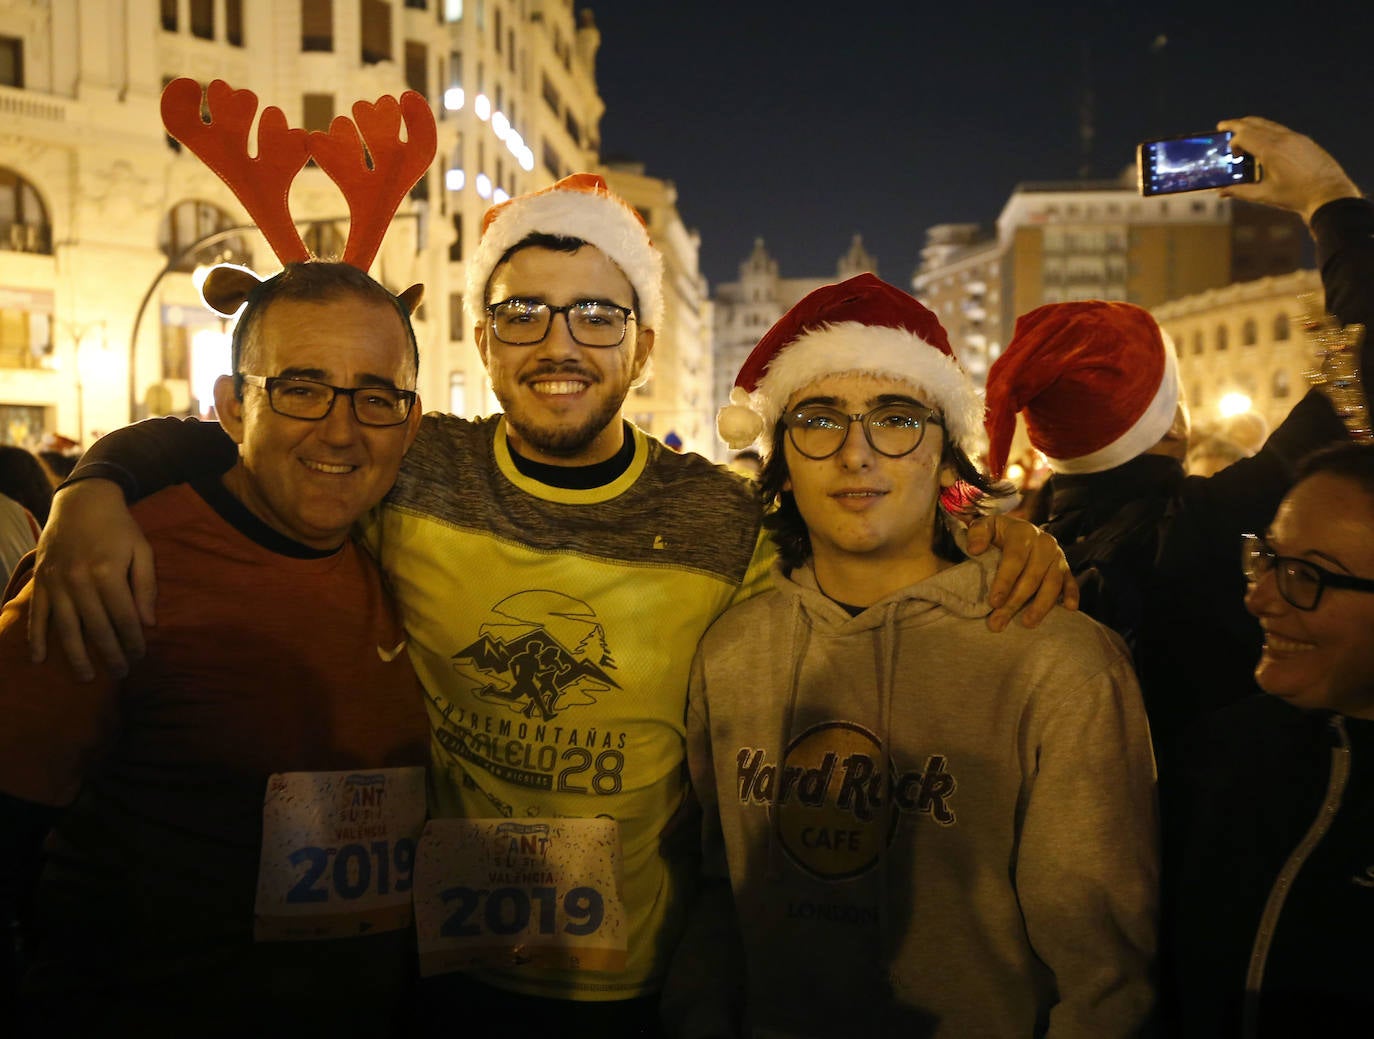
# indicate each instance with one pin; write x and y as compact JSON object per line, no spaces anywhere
{"x":565,"y":439}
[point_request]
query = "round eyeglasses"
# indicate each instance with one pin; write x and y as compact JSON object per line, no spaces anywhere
{"x":591,"y":322}
{"x":894,"y":430}
{"x":312,"y":401}
{"x":1299,"y":582}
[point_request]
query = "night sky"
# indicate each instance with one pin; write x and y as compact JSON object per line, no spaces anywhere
{"x":805,"y":129}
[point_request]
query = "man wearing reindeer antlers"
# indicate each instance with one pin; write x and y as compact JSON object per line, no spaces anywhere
{"x":273,"y":720}
{"x":556,"y":567}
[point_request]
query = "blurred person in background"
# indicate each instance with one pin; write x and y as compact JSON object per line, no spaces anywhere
{"x":24,"y":479}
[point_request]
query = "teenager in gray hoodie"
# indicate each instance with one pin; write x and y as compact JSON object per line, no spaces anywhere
{"x":912,"y":825}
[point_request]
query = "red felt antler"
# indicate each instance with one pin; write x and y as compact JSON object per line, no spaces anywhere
{"x":261,"y":184}
{"x":374,"y":193}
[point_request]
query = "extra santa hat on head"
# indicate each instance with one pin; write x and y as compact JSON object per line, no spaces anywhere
{"x":579,"y":206}
{"x":862,"y":325}
{"x":1097,"y":383}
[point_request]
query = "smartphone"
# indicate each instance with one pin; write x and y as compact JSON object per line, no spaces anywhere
{"x":1192,"y":163}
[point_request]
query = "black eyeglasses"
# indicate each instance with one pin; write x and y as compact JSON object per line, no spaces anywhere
{"x":312,"y":401}
{"x":591,"y":322}
{"x":818,"y":431}
{"x":1299,"y":582}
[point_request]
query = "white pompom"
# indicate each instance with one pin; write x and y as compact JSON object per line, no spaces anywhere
{"x":738,"y":423}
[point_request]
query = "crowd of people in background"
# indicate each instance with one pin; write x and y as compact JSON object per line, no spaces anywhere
{"x":865,"y":768}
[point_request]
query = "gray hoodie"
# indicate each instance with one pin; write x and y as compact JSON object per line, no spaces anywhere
{"x":1002,"y":882}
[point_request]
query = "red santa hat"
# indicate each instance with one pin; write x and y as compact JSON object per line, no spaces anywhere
{"x":579,"y":206}
{"x":1097,"y":383}
{"x":862,"y":325}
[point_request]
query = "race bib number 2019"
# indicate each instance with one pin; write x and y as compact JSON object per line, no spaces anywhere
{"x":338,"y":853}
{"x":500,"y":893}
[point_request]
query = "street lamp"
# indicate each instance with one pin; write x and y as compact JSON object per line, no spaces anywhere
{"x":173,"y":263}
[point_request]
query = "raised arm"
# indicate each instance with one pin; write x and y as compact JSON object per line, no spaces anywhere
{"x":94,"y":582}
{"x":1302,"y":177}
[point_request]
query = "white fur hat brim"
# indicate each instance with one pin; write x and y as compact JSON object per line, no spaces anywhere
{"x":599,"y":218}
{"x":849,"y":347}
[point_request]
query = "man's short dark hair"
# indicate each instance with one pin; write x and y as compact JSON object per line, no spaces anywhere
{"x":784,"y":520}
{"x":558,"y":243}
{"x":313,"y":281}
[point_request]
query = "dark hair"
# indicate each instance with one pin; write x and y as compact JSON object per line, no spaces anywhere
{"x":559,"y":243}
{"x":1353,"y":461}
{"x":784,"y":520}
{"x":23,"y":478}
{"x":59,"y":462}
{"x":313,"y":281}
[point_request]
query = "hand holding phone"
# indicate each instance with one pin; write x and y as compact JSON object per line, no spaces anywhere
{"x":1193,"y":162}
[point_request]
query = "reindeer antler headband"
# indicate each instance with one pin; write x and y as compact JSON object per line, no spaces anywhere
{"x":364,"y":156}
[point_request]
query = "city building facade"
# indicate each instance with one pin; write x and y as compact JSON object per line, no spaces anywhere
{"x":675,"y":399}
{"x":1242,"y":348}
{"x":104,"y":219}
{"x":1089,"y":239}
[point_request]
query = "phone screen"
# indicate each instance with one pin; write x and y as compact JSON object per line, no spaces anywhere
{"x":1191,"y":163}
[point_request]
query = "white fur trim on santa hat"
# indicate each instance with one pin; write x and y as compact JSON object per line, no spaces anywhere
{"x":848,"y":347}
{"x":600,"y":220}
{"x":1147,"y":431}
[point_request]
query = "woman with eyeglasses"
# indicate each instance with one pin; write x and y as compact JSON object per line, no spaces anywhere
{"x":1270,"y":869}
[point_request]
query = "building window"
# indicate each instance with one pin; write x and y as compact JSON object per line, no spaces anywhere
{"x":188,"y":224}
{"x":317,"y":111}
{"x":169,"y":15}
{"x":1221,"y":337}
{"x":11,"y":61}
{"x":1281,"y":328}
{"x":317,"y":25}
{"x":1280,"y":386}
{"x":324,"y":240}
{"x":22,"y":424}
{"x":550,"y":94}
{"x":233,"y":22}
{"x":176,"y":353}
{"x":417,"y":67}
{"x":552,"y":162}
{"x":376,"y":31}
{"x":455,"y":250}
{"x":1249,"y":334}
{"x":203,"y":19}
{"x":24,"y":224}
{"x":1197,"y":342}
{"x":456,"y":323}
{"x":457,"y":393}
{"x":25,"y":338}
{"x":574,"y":128}
{"x":418,"y":5}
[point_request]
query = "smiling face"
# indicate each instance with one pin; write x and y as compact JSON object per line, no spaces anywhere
{"x":312,"y":480}
{"x":1323,"y":658}
{"x":867,"y":513}
{"x":562,"y":400}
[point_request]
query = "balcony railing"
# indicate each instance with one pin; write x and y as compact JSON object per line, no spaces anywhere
{"x":25,"y":238}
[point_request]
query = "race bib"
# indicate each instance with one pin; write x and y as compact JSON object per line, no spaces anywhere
{"x":499,"y":893}
{"x":338,"y":853}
